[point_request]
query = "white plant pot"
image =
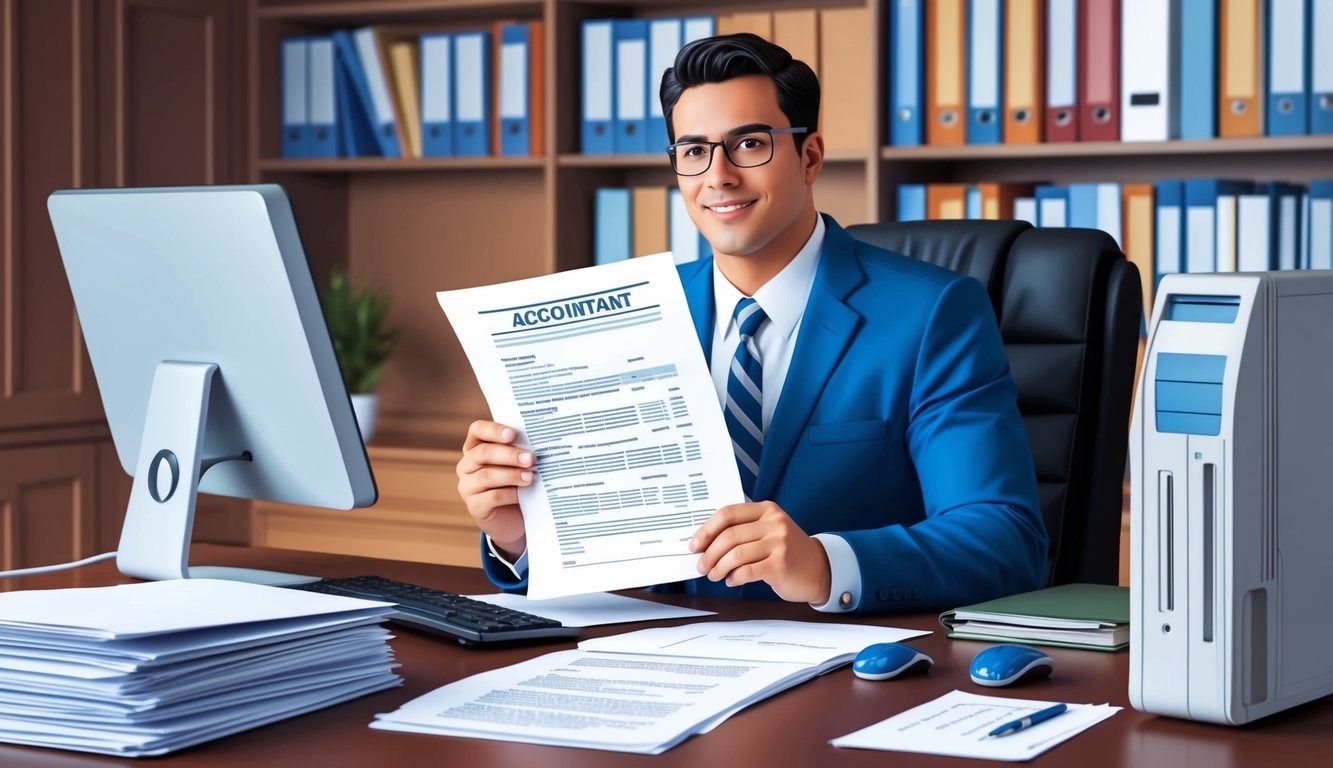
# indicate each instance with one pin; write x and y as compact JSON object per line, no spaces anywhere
{"x":366,"y":407}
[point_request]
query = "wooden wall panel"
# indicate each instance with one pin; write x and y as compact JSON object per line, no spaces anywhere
{"x":48,"y":143}
{"x":170,"y":69}
{"x":48,"y":505}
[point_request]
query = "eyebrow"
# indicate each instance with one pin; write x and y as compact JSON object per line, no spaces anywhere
{"x":737,"y":131}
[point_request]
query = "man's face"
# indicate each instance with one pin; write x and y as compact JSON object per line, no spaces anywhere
{"x":745,"y":212}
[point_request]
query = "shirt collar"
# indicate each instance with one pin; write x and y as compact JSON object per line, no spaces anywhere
{"x":783,"y":297}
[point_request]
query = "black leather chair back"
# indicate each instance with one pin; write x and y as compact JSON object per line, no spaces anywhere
{"x":1069,"y":309}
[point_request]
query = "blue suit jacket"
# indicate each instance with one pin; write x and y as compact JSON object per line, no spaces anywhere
{"x":897,"y":429}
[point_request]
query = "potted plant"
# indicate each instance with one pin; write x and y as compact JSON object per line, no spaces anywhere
{"x":362,"y":340}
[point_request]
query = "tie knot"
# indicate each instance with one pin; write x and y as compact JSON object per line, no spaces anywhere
{"x":749,"y":315}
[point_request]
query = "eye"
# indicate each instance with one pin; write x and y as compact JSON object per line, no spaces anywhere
{"x":692,"y":151}
{"x":751,"y":142}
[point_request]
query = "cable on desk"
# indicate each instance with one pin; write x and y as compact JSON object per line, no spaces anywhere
{"x":59,"y":567}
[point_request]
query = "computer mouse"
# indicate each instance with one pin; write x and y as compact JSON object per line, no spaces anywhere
{"x":1002,"y":665}
{"x":883,"y":661}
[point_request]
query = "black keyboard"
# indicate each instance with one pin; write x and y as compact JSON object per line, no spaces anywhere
{"x":470,"y":622}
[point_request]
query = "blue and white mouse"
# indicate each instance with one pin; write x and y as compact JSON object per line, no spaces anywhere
{"x":883,"y":661}
{"x":1002,"y":665}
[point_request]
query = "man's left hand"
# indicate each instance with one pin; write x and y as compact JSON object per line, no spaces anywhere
{"x":759,"y":542}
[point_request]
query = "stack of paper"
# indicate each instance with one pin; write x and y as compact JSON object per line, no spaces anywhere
{"x":145,"y":669}
{"x":1090,"y":616}
{"x":640,"y":692}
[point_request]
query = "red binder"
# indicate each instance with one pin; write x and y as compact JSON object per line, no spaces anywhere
{"x":1099,"y":70}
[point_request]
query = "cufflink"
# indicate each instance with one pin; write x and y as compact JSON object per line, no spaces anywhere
{"x":845,"y":600}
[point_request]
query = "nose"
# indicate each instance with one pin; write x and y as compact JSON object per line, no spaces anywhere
{"x":721,"y":173}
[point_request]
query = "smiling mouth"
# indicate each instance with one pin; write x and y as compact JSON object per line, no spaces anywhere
{"x":729,"y":207}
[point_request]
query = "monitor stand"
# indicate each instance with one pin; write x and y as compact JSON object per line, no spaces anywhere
{"x":155,"y":539}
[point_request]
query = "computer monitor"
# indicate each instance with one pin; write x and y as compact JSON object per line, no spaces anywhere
{"x":213,"y":359}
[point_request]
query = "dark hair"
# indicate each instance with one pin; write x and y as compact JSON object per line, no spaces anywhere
{"x":722,"y":58}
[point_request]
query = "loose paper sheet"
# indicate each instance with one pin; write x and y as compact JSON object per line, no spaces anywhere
{"x":957,"y":724}
{"x":601,"y":371}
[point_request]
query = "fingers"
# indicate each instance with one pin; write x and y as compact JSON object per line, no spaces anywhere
{"x":724,"y":518}
{"x":483,"y":455}
{"x":738,"y":546}
{"x":482,"y":431}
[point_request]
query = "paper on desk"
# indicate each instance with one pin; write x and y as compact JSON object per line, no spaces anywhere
{"x":592,"y":610}
{"x":610,"y":701}
{"x":601,"y":372}
{"x":957,"y":723}
{"x":639,"y":692}
{"x":801,"y":642}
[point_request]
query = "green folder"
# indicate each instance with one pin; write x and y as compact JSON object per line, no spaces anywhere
{"x":1090,"y":616}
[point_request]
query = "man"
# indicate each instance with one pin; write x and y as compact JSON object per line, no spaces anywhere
{"x":867,"y":394}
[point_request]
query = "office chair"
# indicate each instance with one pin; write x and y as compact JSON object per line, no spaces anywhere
{"x":1069,"y":307}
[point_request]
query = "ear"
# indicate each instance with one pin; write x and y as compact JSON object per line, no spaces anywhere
{"x":812,"y":157}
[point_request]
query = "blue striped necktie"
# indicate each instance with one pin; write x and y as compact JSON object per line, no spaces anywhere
{"x":745,"y":399}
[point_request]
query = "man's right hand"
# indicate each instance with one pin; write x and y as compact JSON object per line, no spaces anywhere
{"x":489,"y":475}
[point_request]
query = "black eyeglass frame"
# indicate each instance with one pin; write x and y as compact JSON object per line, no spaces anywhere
{"x":713,"y":145}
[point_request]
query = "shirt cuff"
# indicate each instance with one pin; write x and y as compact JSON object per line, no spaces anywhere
{"x":845,"y":572}
{"x":519,"y":567}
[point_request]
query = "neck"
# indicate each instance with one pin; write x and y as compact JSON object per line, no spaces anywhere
{"x":749,"y":272}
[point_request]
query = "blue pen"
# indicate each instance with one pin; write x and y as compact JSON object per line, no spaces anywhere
{"x":1041,"y":716}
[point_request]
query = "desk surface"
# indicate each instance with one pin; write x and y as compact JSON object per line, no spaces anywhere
{"x":792,"y":728}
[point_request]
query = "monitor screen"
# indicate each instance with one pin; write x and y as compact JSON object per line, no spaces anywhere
{"x":210,"y":351}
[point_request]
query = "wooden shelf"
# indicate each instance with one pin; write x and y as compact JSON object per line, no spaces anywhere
{"x":399,"y":165}
{"x":1110,"y":150}
{"x":393,"y":11}
{"x":575,"y":160}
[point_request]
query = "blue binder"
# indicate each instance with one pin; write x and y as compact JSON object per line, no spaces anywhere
{"x":322,"y":91}
{"x":437,"y":85}
{"x":907,"y":75}
{"x":472,"y":94}
{"x":1287,"y":86}
{"x":515,"y":123}
{"x":1321,"y":69}
{"x":1052,"y":205}
{"x":1083,"y":206}
{"x":378,"y":101}
{"x":1319,"y":225}
{"x":295,"y":100}
{"x":631,"y":64}
{"x":973,"y":203}
{"x":1198,"y":69}
{"x":358,"y":133}
{"x":599,"y":75}
{"x":985,"y":65}
{"x":911,"y":202}
{"x":1169,"y":227}
{"x":664,"y":41}
{"x":1199,"y":221}
{"x":612,"y":231}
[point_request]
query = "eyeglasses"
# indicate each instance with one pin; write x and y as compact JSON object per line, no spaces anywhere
{"x":746,"y":150}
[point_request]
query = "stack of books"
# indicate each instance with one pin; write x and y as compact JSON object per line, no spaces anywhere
{"x":145,"y":669}
{"x":1090,"y":616}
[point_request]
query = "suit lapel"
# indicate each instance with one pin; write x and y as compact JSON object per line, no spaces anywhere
{"x":827,"y":327}
{"x":699,"y":296}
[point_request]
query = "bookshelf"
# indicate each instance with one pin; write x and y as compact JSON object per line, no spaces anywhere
{"x":418,"y":226}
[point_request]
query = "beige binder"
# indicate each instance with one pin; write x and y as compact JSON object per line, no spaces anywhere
{"x":651,"y":233}
{"x":798,"y":32}
{"x":845,"y":62}
{"x":760,"y":23}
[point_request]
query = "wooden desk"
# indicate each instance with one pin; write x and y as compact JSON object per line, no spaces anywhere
{"x":792,"y":728}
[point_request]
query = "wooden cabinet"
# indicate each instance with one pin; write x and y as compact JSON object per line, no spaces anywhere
{"x":92,"y":93}
{"x":419,"y":515}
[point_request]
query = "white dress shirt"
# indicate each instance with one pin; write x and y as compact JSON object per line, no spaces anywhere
{"x":783,"y":299}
